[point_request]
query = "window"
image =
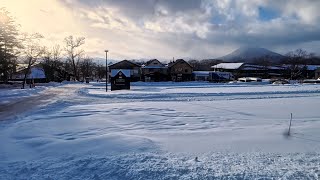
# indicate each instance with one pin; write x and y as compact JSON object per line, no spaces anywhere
{"x":186,"y":70}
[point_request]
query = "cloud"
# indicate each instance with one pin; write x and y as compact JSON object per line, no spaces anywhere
{"x":166,"y":28}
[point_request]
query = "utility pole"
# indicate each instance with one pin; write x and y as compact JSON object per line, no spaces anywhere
{"x":106,"y":70}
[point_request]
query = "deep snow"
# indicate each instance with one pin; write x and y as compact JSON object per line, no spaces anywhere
{"x":156,"y":130}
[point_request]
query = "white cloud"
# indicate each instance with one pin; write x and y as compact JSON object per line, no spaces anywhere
{"x":165,"y":28}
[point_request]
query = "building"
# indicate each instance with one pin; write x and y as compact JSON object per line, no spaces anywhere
{"x":317,"y":73}
{"x":312,"y":71}
{"x":227,"y":66}
{"x":120,"y":79}
{"x":216,"y":76}
{"x":180,"y":70}
{"x":251,"y":70}
{"x":36,"y":74}
{"x":201,"y":75}
{"x":212,"y":76}
{"x":154,"y":70}
{"x":135,"y":71}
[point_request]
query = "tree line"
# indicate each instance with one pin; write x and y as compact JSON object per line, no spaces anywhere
{"x":59,"y":63}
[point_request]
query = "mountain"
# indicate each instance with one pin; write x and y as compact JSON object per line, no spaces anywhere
{"x":102,"y":61}
{"x":250,"y":54}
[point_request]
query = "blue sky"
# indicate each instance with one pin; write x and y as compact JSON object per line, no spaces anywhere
{"x":267,"y":14}
{"x":133,"y":29}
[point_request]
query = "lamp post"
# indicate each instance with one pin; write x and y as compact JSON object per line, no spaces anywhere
{"x":106,"y":70}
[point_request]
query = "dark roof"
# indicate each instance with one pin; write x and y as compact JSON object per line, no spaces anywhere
{"x":150,"y":65}
{"x":150,"y":61}
{"x":126,"y":61}
{"x":178,"y":61}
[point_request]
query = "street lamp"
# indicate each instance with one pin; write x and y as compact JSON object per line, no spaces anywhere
{"x":106,"y":70}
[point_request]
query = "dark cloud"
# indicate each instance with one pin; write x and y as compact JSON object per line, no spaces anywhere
{"x":209,"y":23}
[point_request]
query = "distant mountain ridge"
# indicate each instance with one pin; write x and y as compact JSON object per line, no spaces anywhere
{"x":250,"y":54}
{"x":102,"y":61}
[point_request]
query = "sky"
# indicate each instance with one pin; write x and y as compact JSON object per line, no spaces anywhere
{"x":163,"y":29}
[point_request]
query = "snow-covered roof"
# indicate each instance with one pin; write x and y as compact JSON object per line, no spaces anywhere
{"x":35,"y":73}
{"x":277,"y":67}
{"x":228,"y":65}
{"x":126,"y":72}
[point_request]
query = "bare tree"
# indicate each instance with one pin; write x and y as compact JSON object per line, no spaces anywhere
{"x":297,"y":61}
{"x":73,"y":51}
{"x":195,"y":64}
{"x":265,"y":62}
{"x":100,"y":71}
{"x":203,"y":65}
{"x":52,"y":64}
{"x":87,"y":67}
{"x":32,"y":51}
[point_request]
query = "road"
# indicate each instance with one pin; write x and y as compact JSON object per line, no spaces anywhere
{"x":26,"y":104}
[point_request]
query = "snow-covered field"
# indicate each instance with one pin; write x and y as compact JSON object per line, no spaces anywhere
{"x":156,"y":131}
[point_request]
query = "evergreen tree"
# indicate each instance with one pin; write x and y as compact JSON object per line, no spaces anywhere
{"x":9,"y":45}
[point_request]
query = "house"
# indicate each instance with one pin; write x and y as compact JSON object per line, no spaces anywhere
{"x":154,"y":70}
{"x":135,"y":72}
{"x":36,"y":74}
{"x":180,"y":70}
{"x":312,"y":71}
{"x":120,"y":79}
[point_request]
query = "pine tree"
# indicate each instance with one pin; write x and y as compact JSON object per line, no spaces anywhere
{"x":9,"y":45}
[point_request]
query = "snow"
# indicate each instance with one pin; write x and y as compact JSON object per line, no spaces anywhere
{"x":37,"y":73}
{"x":246,"y":66}
{"x":156,"y":130}
{"x":228,"y":65}
{"x":168,"y":91}
{"x":8,"y":94}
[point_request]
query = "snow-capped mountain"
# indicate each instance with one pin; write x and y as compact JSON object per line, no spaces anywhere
{"x":102,"y":61}
{"x":250,"y":54}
